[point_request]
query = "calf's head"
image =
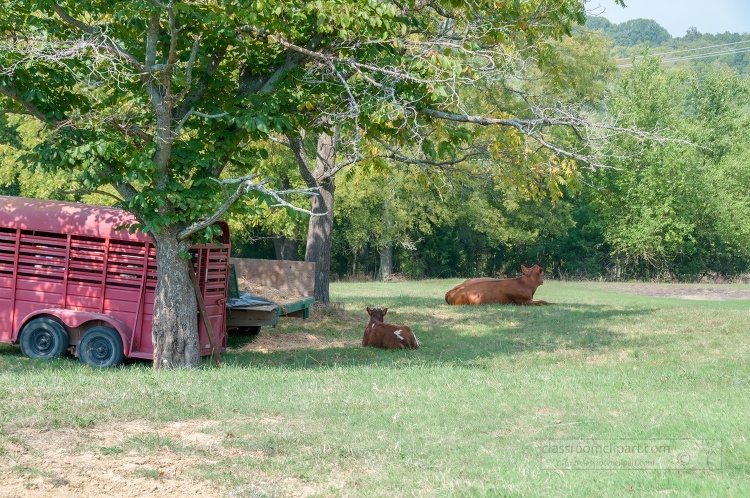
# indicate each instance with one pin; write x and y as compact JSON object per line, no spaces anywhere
{"x":377,"y":314}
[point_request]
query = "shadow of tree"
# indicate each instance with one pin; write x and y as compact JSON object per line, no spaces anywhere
{"x":449,"y":335}
{"x":468,"y":335}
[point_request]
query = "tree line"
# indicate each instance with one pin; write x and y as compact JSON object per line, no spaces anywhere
{"x":675,"y":211}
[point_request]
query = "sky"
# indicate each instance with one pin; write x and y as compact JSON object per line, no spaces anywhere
{"x":676,"y":16}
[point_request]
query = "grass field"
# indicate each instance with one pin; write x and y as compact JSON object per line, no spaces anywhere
{"x":606,"y":393}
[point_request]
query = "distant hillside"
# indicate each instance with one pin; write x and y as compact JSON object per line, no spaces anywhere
{"x":631,"y":33}
{"x":702,"y":51}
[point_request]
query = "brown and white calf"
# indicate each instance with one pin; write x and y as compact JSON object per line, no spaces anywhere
{"x":385,"y":335}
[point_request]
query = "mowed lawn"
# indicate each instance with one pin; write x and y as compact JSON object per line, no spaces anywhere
{"x":499,"y":401}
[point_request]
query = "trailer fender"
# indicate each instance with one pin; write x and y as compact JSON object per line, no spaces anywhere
{"x":76,"y":322}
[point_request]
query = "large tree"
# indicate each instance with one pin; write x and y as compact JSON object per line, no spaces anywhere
{"x":156,"y":99}
{"x":417,"y":94}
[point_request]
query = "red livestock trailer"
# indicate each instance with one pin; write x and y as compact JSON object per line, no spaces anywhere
{"x":70,"y":280}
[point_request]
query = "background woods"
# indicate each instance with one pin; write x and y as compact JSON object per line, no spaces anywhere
{"x":671,"y":211}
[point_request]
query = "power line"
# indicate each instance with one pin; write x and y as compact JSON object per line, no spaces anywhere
{"x":697,"y":56}
{"x":700,"y":56}
{"x":689,"y":50}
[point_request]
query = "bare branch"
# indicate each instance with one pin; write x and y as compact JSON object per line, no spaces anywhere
{"x":199,"y":89}
{"x":166,"y":77}
{"x":158,"y":4}
{"x":521,"y":124}
{"x":279,"y":141}
{"x":132,"y":130}
{"x":246,"y":184}
{"x":111,"y":45}
{"x":398,"y":155}
{"x":71,"y":20}
{"x":297,"y":145}
{"x":591,"y":134}
{"x":193,"y":112}
{"x":329,"y":59}
{"x":211,"y":116}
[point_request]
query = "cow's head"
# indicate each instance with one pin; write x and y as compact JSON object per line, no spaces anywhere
{"x":377,"y":314}
{"x":535,"y":272}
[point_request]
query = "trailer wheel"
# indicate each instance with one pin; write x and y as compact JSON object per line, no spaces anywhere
{"x":43,"y":338}
{"x":101,"y":347}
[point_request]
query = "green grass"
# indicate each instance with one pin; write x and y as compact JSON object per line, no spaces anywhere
{"x":465,"y":415}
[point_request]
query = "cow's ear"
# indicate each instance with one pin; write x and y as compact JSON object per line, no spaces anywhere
{"x":524,"y":269}
{"x":369,"y":312}
{"x":385,"y":310}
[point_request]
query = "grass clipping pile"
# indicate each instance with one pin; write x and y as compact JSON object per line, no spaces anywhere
{"x":329,"y":326}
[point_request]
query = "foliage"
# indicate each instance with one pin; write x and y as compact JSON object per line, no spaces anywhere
{"x":161,"y":118}
{"x":661,"y":211}
{"x":632,"y":32}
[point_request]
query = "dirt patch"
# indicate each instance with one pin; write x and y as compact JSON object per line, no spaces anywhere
{"x":702,"y":292}
{"x":109,"y":462}
{"x":133,"y":459}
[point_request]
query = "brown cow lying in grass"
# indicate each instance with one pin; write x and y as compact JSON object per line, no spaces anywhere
{"x":385,"y":335}
{"x":519,"y":290}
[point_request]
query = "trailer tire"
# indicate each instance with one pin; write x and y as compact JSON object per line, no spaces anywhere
{"x":101,"y":347}
{"x":43,"y":338}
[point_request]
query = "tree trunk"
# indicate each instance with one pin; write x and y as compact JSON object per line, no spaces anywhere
{"x":320,"y":227}
{"x":286,"y":249}
{"x":386,"y":246}
{"x":319,"y":235}
{"x":175,"y":321}
{"x":386,"y":261}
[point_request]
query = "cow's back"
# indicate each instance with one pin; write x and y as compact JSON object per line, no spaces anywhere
{"x":490,"y":291}
{"x":457,"y":294}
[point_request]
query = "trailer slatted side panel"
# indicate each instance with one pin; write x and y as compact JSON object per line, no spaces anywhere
{"x":85,"y":270}
{"x":211,"y":266}
{"x":124,"y":281}
{"x":141,"y":345}
{"x":8,"y":239}
{"x":41,"y":269}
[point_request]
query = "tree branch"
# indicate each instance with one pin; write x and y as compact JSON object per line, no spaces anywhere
{"x":112,"y":46}
{"x":200,"y":88}
{"x":189,"y":70}
{"x":132,"y":130}
{"x":30,"y":108}
{"x":246,"y":184}
{"x":399,"y":156}
{"x":521,"y":124}
{"x":297,"y":144}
